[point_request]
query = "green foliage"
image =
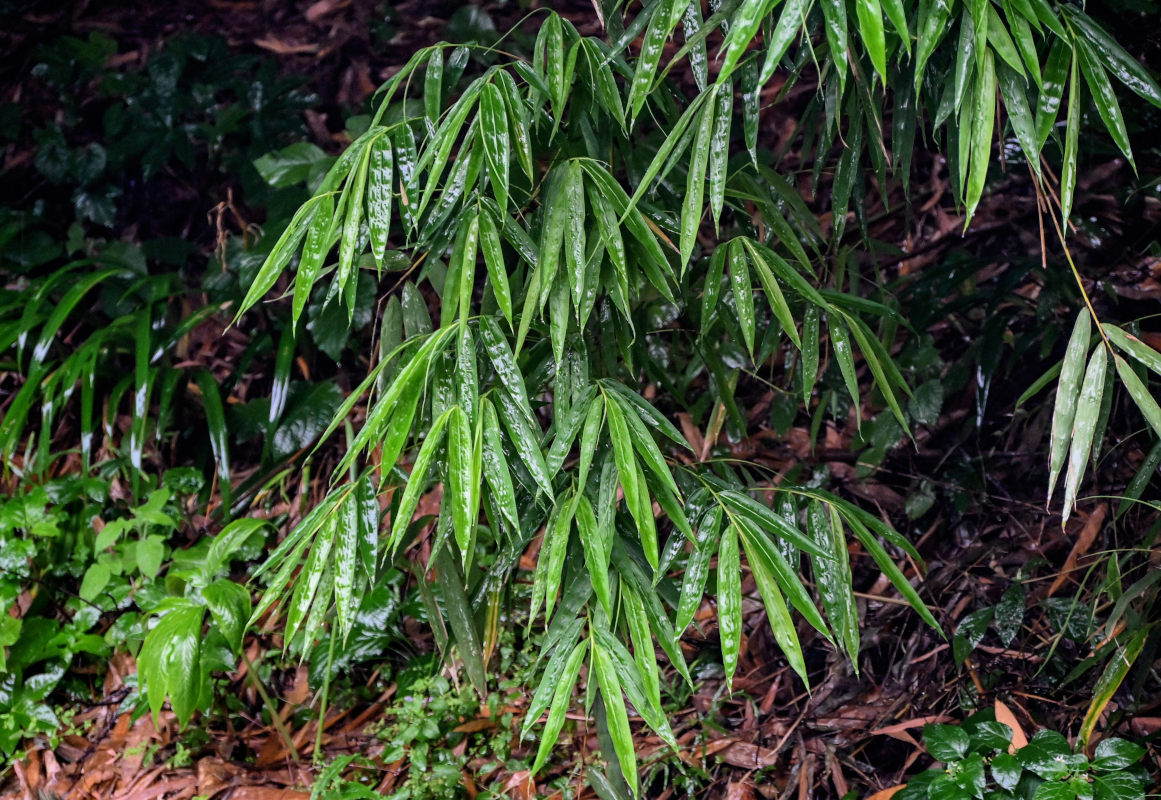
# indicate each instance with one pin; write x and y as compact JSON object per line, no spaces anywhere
{"x":604,"y":248}
{"x":571,"y":253}
{"x":978,"y":762}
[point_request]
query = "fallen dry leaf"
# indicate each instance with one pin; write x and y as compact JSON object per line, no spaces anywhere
{"x":886,"y":794}
{"x":1088,"y":534}
{"x":1005,"y":715}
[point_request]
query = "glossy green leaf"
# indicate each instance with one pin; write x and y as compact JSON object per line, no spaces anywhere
{"x":881,"y":557}
{"x":169,"y":662}
{"x":833,"y":576}
{"x":1067,"y":394}
{"x":380,"y":194}
{"x":743,"y":27}
{"x":810,"y":348}
{"x":618,"y":717}
{"x":229,"y":605}
{"x":981,"y":142}
{"x":417,"y":481}
{"x":636,"y":492}
{"x":345,"y":277}
{"x":461,"y":486}
{"x":692,"y":206}
{"x":461,"y":619}
{"x":743,"y":294}
{"x":1115,"y":58}
{"x":597,"y":546}
{"x":1071,"y":144}
{"x":1088,"y":406}
{"x":562,"y":698}
{"x":1105,"y":98}
{"x":494,"y":135}
{"x":777,"y":613}
{"x":1140,"y":394}
{"x":1131,"y":345}
{"x":346,"y":547}
{"x":494,"y":262}
{"x":870,"y":16}
{"x":1114,"y":674}
{"x":730,"y":600}
{"x":495,"y":467}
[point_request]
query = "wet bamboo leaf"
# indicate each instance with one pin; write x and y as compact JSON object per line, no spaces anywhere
{"x":692,"y":206}
{"x":1067,"y":393}
{"x":461,"y":619}
{"x":562,"y":697}
{"x":494,"y":262}
{"x":719,"y":149}
{"x":495,"y":467}
{"x":834,"y":576}
{"x":598,"y":549}
{"x":777,"y":613}
{"x":380,"y":193}
{"x":560,"y":651}
{"x":1088,"y":406}
{"x":790,"y":22}
{"x":743,"y":293}
{"x":1134,"y":347}
{"x":730,"y":600}
{"x":870,"y":16}
{"x":346,"y":562}
{"x":417,"y":481}
{"x":1115,"y":58}
{"x":1105,"y":98}
{"x":618,"y":717}
{"x":743,"y":27}
{"x":345,"y":277}
{"x":1117,"y":668}
{"x":494,"y":134}
{"x":981,"y":145}
{"x":556,"y":537}
{"x":810,"y":326}
{"x":1140,"y":394}
{"x":636,"y":493}
{"x":314,"y":251}
{"x":1071,"y":144}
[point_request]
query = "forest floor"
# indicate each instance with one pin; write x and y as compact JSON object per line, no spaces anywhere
{"x":852,"y":733}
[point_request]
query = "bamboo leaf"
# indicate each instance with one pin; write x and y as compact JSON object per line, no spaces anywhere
{"x":495,"y":467}
{"x":1088,"y":407}
{"x":777,"y":614}
{"x":1067,"y":394}
{"x":380,"y":193}
{"x":494,"y":262}
{"x":692,"y":206}
{"x":743,"y":293}
{"x":1105,"y":98}
{"x":461,"y":619}
{"x":981,"y":144}
{"x":730,"y":600}
{"x":618,"y":717}
{"x":598,"y":549}
{"x":1140,"y":394}
{"x":834,"y":576}
{"x":743,"y":28}
{"x":494,"y":135}
{"x":870,"y":16}
{"x":1110,"y":680}
{"x":565,"y":681}
{"x":1134,"y":347}
{"x":1071,"y":144}
{"x":417,"y":481}
{"x":314,"y":252}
